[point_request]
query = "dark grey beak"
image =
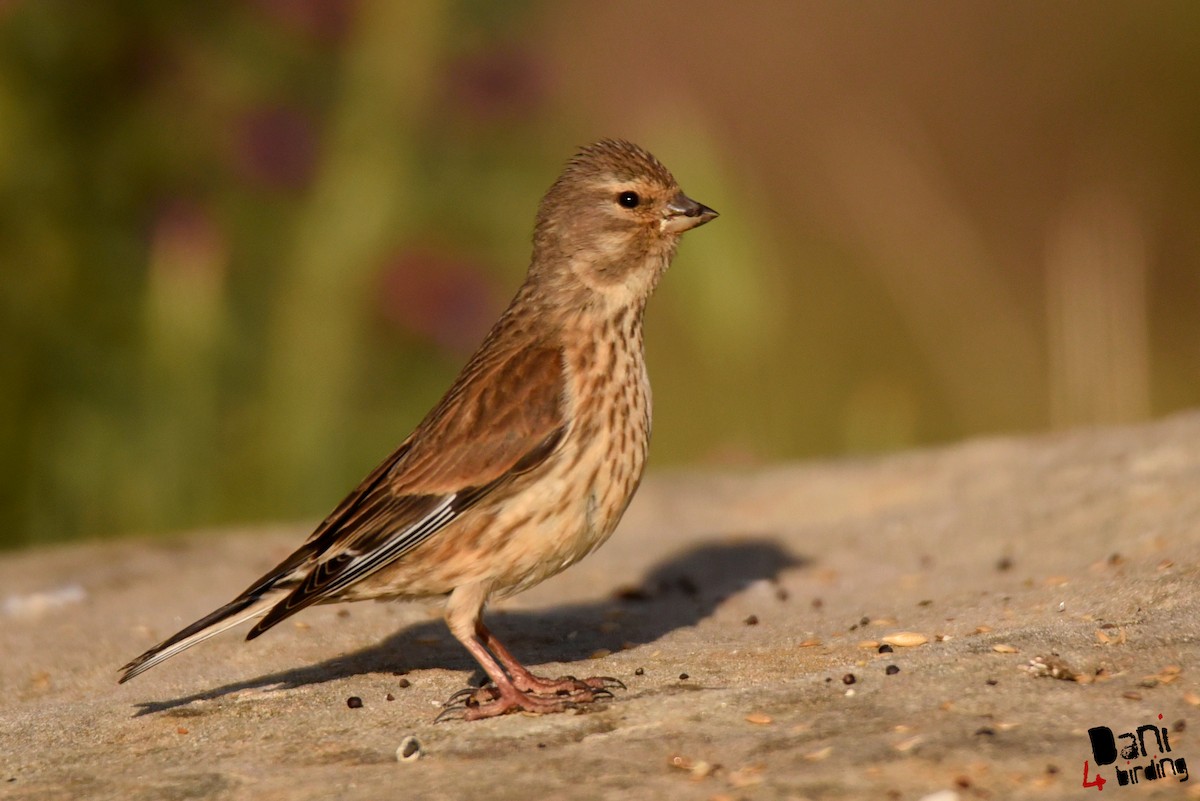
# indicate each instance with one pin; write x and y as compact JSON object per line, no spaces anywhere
{"x":684,"y":214}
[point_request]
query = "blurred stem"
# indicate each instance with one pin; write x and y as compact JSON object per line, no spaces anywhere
{"x":363,"y":190}
{"x":185,"y":324}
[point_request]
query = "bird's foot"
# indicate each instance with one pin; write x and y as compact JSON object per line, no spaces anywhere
{"x":567,"y":685}
{"x":491,"y":701}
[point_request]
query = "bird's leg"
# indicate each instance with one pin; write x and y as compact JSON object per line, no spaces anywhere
{"x":578,"y":689}
{"x":463,"y":610}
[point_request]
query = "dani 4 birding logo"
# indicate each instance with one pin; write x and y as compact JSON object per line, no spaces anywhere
{"x":1130,"y":747}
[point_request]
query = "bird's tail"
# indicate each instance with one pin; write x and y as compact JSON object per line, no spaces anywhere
{"x":239,"y":610}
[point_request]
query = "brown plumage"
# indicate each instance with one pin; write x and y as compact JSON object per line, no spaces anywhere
{"x":530,"y":459}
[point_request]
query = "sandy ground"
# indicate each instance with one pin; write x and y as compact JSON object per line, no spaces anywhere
{"x":744,"y":612}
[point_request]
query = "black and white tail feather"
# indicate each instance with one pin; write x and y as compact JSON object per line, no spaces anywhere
{"x":300,"y":581}
{"x":371,"y":529}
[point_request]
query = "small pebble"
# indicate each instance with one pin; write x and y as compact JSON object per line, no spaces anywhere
{"x":409,"y":750}
{"x":684,"y":677}
{"x":751,"y":621}
{"x":404,"y":684}
{"x":849,"y":679}
{"x":639,"y":672}
{"x":992,"y":682}
{"x":941,"y":795}
{"x":885,"y":649}
{"x":354,"y":702}
{"x":892,"y":670}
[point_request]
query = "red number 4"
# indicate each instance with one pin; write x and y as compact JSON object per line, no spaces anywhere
{"x":1097,"y":782}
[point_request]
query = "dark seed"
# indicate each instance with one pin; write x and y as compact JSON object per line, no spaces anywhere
{"x":1179,"y":725}
{"x":632,"y":594}
{"x":1004,"y":563}
{"x":541,"y":745}
{"x":817,"y":603}
{"x":354,"y":702}
{"x":992,"y":682}
{"x":926,"y":602}
{"x":639,"y":672}
{"x":985,"y":731}
{"x":864,"y":620}
{"x":781,"y":593}
{"x":751,"y":621}
{"x":963,"y":781}
{"x":849,"y":679}
{"x":684,"y":677}
{"x":892,"y":670}
{"x":404,"y":684}
{"x":1052,"y":769}
{"x":886,"y":649}
{"x":389,"y":697}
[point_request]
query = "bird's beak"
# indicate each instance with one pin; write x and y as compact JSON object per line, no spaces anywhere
{"x":684,"y":214}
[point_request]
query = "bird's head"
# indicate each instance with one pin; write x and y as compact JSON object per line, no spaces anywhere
{"x":612,"y":221}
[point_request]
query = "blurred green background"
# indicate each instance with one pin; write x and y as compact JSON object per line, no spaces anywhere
{"x":245,"y":245}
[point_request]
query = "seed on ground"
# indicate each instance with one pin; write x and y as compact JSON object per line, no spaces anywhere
{"x":906,"y":639}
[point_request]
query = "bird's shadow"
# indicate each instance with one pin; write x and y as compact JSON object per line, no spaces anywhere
{"x":678,"y":592}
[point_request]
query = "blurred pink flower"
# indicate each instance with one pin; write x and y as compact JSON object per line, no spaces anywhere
{"x":499,"y":84}
{"x":322,"y":20}
{"x":445,"y":299}
{"x":276,"y":147}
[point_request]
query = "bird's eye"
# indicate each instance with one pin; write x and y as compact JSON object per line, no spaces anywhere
{"x":629,"y":200}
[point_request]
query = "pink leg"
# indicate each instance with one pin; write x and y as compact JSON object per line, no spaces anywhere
{"x":463,"y":610}
{"x":578,"y":689}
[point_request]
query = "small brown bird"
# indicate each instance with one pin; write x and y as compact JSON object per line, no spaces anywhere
{"x":530,"y":459}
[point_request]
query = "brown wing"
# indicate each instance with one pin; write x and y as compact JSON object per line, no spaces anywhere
{"x":501,"y":418}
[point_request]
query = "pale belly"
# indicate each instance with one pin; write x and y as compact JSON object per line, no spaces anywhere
{"x":555,"y":521}
{"x":561,"y":514}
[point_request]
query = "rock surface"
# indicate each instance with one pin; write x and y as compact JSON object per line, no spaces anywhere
{"x":771,"y":590}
